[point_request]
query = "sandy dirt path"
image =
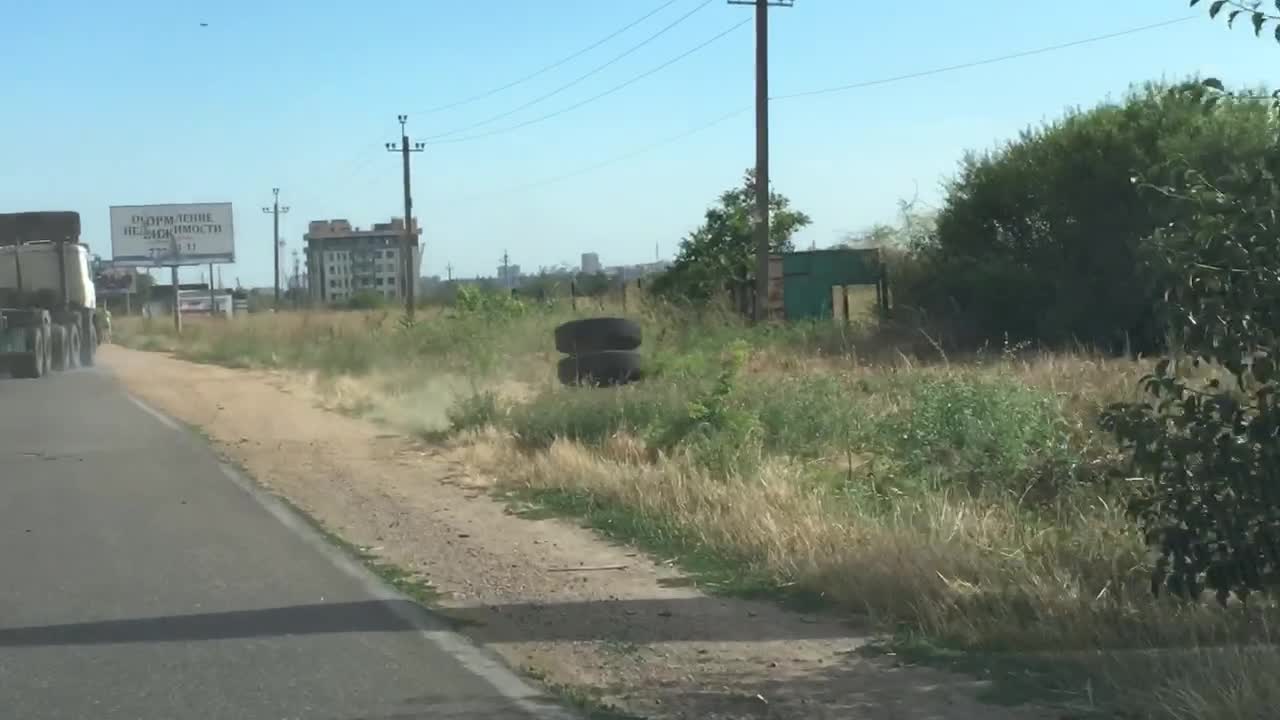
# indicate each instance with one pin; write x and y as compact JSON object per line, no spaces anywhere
{"x":637,"y":638}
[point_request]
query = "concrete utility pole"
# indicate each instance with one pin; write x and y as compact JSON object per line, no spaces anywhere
{"x":173,"y":275}
{"x":295,"y":285}
{"x":409,"y":246}
{"x":762,"y":150}
{"x":275,"y":210}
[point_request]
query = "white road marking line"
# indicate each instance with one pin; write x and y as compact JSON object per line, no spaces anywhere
{"x":538,"y":705}
{"x":164,"y":419}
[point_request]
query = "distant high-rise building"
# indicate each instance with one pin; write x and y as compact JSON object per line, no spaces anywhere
{"x":343,"y":260}
{"x":509,"y":274}
{"x":590,"y":263}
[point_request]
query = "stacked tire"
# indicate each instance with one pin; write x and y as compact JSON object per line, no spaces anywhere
{"x":599,"y":352}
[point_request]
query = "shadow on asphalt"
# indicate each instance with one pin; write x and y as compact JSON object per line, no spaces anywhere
{"x":366,"y":616}
{"x":676,"y":620}
{"x":846,"y":685}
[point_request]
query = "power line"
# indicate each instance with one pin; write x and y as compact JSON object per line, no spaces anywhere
{"x":554,"y":65}
{"x":597,"y":96}
{"x":575,"y":81}
{"x":852,"y":86}
{"x":618,"y":158}
{"x":979,"y":63}
{"x":350,"y":170}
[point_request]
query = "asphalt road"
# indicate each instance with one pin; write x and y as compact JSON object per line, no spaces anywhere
{"x":140,"y":578}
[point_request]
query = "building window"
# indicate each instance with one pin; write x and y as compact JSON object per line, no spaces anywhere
{"x":333,"y":283}
{"x":391,"y":253}
{"x":379,"y":281}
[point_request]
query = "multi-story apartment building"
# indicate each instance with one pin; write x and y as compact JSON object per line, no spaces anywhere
{"x":343,"y":260}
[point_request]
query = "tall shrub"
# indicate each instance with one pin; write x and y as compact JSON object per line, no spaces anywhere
{"x":1043,"y":239}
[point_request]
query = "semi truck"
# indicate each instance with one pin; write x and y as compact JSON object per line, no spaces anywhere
{"x":49,"y":319}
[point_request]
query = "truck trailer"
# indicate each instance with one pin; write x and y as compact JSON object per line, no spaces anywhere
{"x":48,"y":309}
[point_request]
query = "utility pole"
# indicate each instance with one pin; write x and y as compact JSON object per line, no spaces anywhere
{"x":173,"y":274}
{"x":295,"y":285}
{"x":762,"y":150}
{"x":275,"y":211}
{"x":409,"y":246}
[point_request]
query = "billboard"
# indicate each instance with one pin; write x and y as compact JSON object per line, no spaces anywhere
{"x":162,"y":235}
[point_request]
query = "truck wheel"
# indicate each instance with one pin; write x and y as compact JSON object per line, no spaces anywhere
{"x":48,"y":350}
{"x":75,"y":347}
{"x":60,"y":349}
{"x":89,"y":347}
{"x":32,"y":364}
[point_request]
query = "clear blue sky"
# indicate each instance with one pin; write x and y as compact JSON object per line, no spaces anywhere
{"x":133,"y":102}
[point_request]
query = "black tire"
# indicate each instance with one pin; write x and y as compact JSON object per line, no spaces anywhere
{"x":75,"y":344}
{"x":61,"y":351}
{"x":48,"y":350}
{"x":32,"y":364}
{"x":601,"y":369}
{"x":593,"y":335}
{"x":89,"y":346}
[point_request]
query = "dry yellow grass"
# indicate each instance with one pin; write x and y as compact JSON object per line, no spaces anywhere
{"x":978,"y":571}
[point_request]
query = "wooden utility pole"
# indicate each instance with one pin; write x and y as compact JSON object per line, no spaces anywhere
{"x":409,"y":245}
{"x":761,"y":310}
{"x":275,"y":210}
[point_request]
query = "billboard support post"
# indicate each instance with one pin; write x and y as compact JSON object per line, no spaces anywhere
{"x":177,"y":303}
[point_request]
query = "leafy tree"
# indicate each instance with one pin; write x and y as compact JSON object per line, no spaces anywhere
{"x":593,"y":284}
{"x":915,"y":228}
{"x":1203,"y":442}
{"x":1249,"y":8}
{"x":721,"y":252}
{"x":1043,"y":239}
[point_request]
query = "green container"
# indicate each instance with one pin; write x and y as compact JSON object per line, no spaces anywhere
{"x":807,"y":278}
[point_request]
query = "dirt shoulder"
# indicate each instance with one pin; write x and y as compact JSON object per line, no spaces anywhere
{"x":636,"y":637}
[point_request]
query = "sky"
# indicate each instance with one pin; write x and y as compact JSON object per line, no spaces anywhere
{"x":136,"y":102}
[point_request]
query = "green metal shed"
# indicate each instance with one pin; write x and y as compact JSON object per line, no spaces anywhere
{"x":808,"y":279}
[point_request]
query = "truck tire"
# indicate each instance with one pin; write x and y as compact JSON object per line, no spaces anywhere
{"x":75,"y":346}
{"x":600,"y":369}
{"x":89,"y":346}
{"x":48,"y":350}
{"x":61,"y":349}
{"x":32,"y":364}
{"x":592,"y":335}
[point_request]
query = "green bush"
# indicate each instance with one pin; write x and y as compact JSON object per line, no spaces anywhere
{"x":366,"y":300}
{"x":1204,"y":442}
{"x":962,"y":430}
{"x":1043,"y":239}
